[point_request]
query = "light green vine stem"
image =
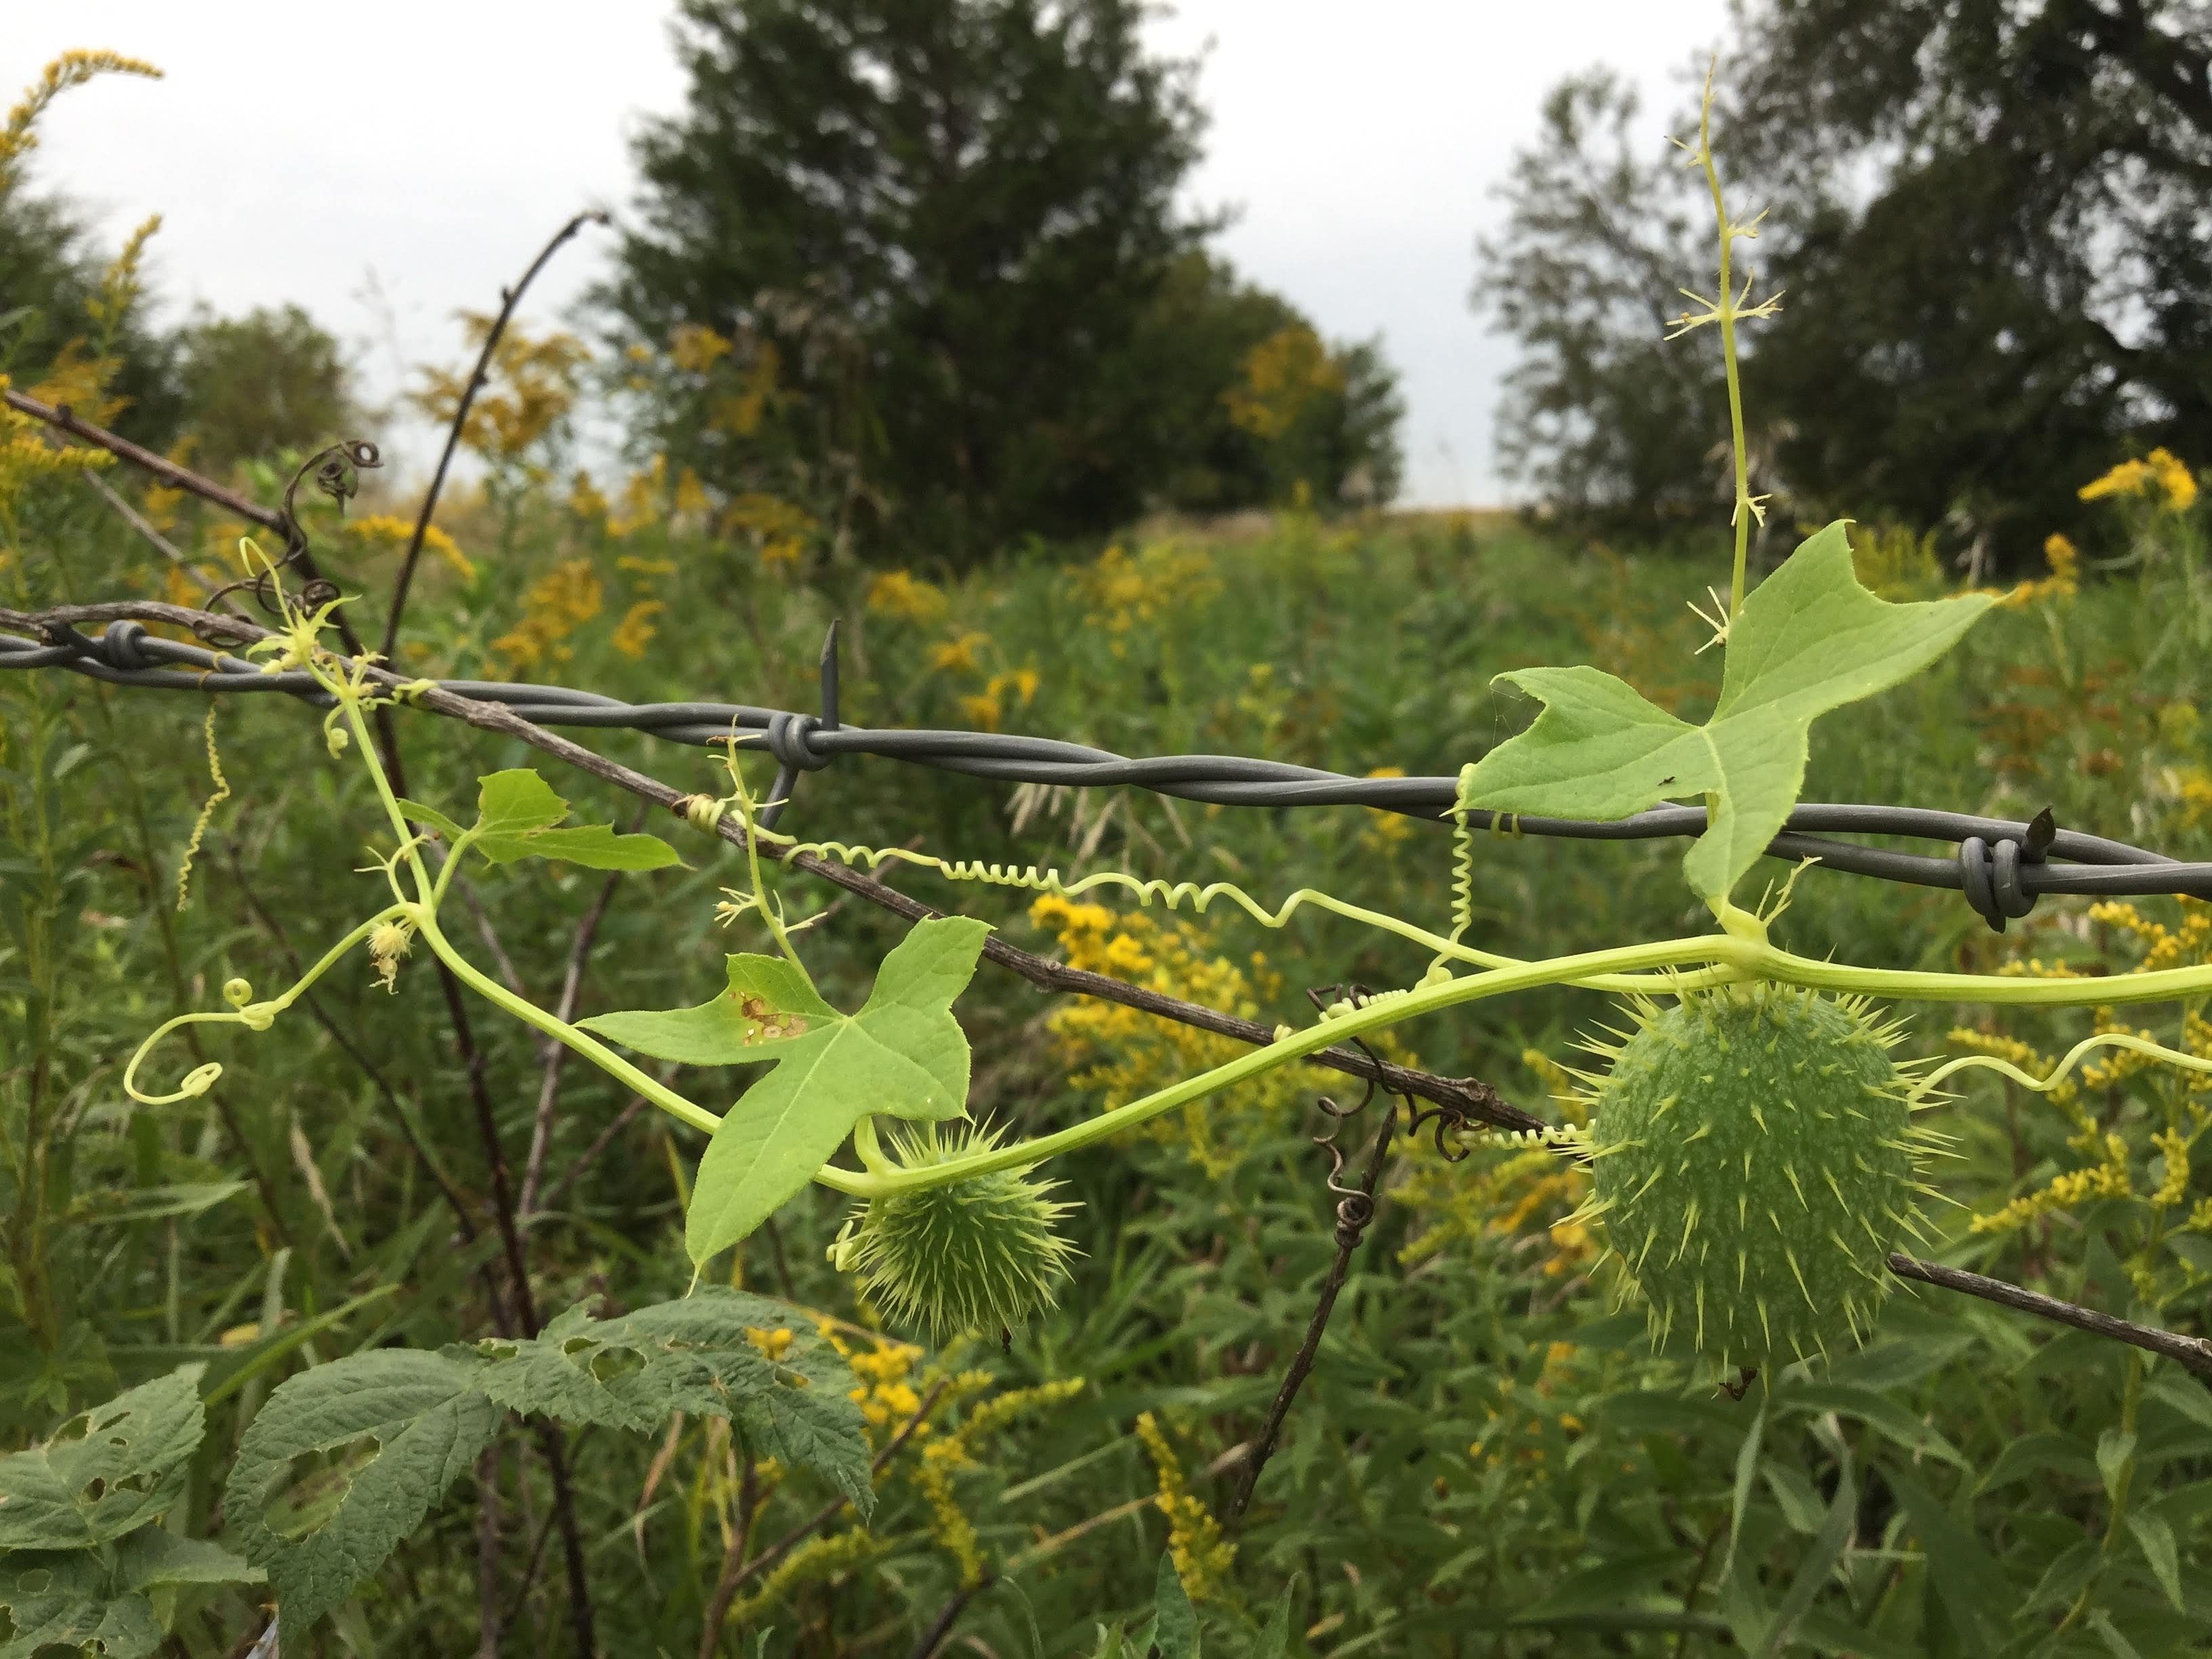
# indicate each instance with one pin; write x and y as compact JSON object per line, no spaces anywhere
{"x":2065,"y":1069}
{"x":254,"y":1015}
{"x":1748,"y":958}
{"x":1727,"y":309}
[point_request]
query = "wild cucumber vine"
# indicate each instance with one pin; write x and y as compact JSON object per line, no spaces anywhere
{"x":1807,"y":641}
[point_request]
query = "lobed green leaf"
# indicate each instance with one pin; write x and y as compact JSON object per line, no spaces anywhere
{"x":903,"y":1054}
{"x":1808,"y":639}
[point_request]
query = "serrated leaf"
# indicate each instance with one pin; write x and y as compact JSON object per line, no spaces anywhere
{"x":106,"y":1470}
{"x":150,"y":1558}
{"x":1174,"y":1622}
{"x":414,"y":1423}
{"x":519,"y":816}
{"x":903,"y":1054}
{"x":693,"y":1355}
{"x":2155,"y":1540}
{"x":1808,"y":639}
{"x":65,"y":1602}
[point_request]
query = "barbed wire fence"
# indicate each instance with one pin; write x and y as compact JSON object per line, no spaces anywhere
{"x":2002,"y":867}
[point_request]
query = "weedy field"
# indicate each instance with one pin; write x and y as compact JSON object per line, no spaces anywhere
{"x":1486,"y":1457}
{"x":496,"y":1277}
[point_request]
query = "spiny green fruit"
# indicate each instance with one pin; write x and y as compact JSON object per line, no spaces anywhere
{"x":1754,"y":1161}
{"x":976,"y":1255}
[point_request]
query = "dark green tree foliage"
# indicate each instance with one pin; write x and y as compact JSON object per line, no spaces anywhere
{"x":940,"y":237}
{"x":1191,"y":348}
{"x":48,"y":270}
{"x":980,"y":189}
{"x":1989,"y":218}
{"x":1602,"y":415}
{"x":272,"y":379}
{"x":2024,"y":295}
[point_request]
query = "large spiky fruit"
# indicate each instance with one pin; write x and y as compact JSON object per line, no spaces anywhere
{"x":1754,"y":1161}
{"x":979,"y":1254}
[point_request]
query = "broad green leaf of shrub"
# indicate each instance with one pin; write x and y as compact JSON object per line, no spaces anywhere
{"x":66,"y":1602}
{"x":105,"y":1471}
{"x":693,"y":1355}
{"x":903,"y":1054}
{"x":519,"y":817}
{"x":400,"y":1427}
{"x":1808,"y":639}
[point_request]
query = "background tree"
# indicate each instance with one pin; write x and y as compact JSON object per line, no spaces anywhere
{"x":270,"y":379}
{"x":1989,"y":218}
{"x":1600,"y":415}
{"x":51,"y":286}
{"x":938,"y":244}
{"x":1234,"y":401}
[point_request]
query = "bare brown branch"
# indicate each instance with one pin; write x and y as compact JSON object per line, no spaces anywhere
{"x":2192,"y":1353}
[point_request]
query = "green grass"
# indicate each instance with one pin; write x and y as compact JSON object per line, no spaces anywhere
{"x":1486,"y":1460}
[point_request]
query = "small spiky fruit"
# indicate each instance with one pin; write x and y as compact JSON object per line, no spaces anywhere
{"x":1754,"y":1161}
{"x":979,"y":1254}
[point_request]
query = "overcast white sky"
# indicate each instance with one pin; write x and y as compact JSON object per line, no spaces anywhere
{"x":387,"y":167}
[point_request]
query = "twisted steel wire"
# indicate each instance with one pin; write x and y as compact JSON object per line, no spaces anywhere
{"x":2001,"y":866}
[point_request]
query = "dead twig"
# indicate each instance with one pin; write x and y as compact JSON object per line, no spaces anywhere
{"x":549,"y":1088}
{"x":1355,"y":1213}
{"x":478,"y":377}
{"x":2192,"y":1353}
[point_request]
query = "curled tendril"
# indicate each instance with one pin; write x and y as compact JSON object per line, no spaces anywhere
{"x":336,"y":470}
{"x":1925,"y":1088}
{"x":254,"y":1015}
{"x":1448,"y":1122}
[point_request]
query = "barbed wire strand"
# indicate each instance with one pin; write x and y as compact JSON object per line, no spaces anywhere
{"x":2002,"y":867}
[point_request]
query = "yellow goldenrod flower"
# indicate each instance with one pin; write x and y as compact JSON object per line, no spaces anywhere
{"x":957,"y":654}
{"x":71,"y":69}
{"x":772,"y":1344}
{"x":586,"y":502}
{"x":694,"y":349}
{"x":635,"y":631}
{"x":383,"y":529}
{"x":2160,"y":473}
{"x":902,"y":594}
{"x":1202,"y":1556}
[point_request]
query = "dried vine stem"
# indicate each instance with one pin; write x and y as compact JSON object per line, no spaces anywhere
{"x":478,"y":377}
{"x":62,"y":419}
{"x":2192,"y":1353}
{"x":1472,"y":1099}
